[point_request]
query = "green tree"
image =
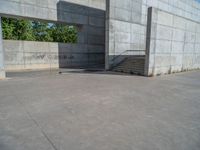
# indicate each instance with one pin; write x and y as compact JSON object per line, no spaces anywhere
{"x":19,"y":29}
{"x":41,"y":31}
{"x":64,"y":33}
{"x":8,"y":27}
{"x":23,"y":30}
{"x":15,"y":29}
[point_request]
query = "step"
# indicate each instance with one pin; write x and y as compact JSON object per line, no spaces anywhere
{"x":133,"y":65}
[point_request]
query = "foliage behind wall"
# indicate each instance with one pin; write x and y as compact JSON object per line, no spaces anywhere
{"x":19,"y":29}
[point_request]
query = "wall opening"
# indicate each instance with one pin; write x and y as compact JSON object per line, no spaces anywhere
{"x":73,"y":39}
{"x":33,"y":30}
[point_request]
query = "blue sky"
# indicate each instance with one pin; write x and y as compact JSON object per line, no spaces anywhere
{"x":198,"y":0}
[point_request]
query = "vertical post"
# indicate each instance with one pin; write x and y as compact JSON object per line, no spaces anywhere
{"x":107,"y":38}
{"x":148,"y":41}
{"x":2,"y":67}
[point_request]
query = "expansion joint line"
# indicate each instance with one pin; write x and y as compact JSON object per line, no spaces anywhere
{"x":37,"y":124}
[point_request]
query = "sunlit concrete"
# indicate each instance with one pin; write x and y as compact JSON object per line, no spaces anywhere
{"x":98,"y":111}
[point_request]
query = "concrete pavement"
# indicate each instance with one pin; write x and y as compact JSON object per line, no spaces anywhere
{"x":96,"y":111}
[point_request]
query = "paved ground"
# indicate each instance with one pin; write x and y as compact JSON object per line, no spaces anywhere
{"x":76,"y":111}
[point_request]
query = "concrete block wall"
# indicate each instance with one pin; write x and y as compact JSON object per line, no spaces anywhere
{"x":91,"y":34}
{"x":22,"y":55}
{"x":127,"y":22}
{"x":88,"y":15}
{"x":43,"y":9}
{"x":173,"y":43}
{"x":124,"y":31}
{"x":186,"y":8}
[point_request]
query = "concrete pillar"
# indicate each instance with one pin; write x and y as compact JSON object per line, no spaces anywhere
{"x":2,"y":66}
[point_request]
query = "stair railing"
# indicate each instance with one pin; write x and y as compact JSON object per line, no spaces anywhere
{"x":125,"y":52}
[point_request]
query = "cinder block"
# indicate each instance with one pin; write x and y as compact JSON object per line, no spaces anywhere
{"x":14,"y":58}
{"x":197,"y":38}
{"x":165,"y":18}
{"x":188,"y":61}
{"x":136,"y":38}
{"x":121,"y":47}
{"x":98,"y":22}
{"x":164,"y":32}
{"x":120,"y":26}
{"x":197,"y":48}
{"x":126,"y":4}
{"x":163,"y":46}
{"x":189,"y":48}
{"x":179,"y":23}
{"x":190,"y":37}
{"x":122,"y":37}
{"x":176,"y":59}
{"x":10,"y":7}
{"x":177,"y":47}
{"x":121,"y":14}
{"x":178,"y":35}
{"x":176,"y":69}
{"x":136,"y":17}
{"x":161,"y":70}
{"x":162,"y":60}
